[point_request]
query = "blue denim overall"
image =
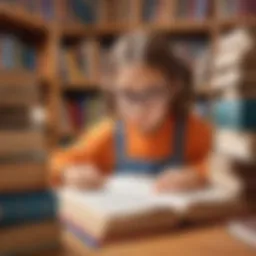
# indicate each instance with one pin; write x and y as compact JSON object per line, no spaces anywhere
{"x":137,"y":166}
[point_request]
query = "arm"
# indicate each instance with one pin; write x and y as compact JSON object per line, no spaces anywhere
{"x":194,"y":174}
{"x":93,"y":150}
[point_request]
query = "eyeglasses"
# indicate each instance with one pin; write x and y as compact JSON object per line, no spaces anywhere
{"x":149,"y":95}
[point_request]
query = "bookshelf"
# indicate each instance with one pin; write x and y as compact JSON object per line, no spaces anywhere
{"x":49,"y":35}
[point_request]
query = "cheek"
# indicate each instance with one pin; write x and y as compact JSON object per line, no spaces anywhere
{"x":157,"y":113}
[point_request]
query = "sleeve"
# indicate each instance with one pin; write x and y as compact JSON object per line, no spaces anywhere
{"x":200,"y":145}
{"x":94,"y":147}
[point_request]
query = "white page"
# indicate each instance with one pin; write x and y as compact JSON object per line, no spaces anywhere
{"x":127,"y":195}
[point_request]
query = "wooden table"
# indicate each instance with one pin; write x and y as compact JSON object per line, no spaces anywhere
{"x":207,"y":241}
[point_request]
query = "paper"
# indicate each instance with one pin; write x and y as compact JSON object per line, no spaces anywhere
{"x":127,"y":195}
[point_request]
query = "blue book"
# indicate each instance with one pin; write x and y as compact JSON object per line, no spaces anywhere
{"x":235,"y":114}
{"x":8,"y":52}
{"x":149,"y":9}
{"x":84,"y":10}
{"x":27,"y":207}
{"x":201,"y":9}
{"x":29,"y":58}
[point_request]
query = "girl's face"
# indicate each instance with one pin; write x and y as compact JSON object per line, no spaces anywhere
{"x":143,"y":96}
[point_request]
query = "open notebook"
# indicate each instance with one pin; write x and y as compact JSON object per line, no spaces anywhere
{"x":129,"y":204}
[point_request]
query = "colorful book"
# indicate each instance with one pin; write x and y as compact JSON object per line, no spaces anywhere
{"x":32,"y":175}
{"x":30,"y":239}
{"x":27,"y":207}
{"x":21,"y":142}
{"x":235,"y":114}
{"x":236,"y":144}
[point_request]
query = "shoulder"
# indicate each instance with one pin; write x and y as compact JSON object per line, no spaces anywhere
{"x":199,"y":136}
{"x":199,"y":126}
{"x":98,"y":134}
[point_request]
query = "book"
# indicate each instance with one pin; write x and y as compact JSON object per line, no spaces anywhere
{"x":21,"y":118}
{"x":239,"y":145}
{"x":81,"y":112}
{"x":235,"y":59}
{"x":233,"y":173}
{"x":232,"y":8}
{"x":29,"y":238}
{"x":233,"y":77}
{"x":16,"y":54}
{"x":23,"y":176}
{"x":128,"y":205}
{"x":83,"y":10}
{"x":235,"y":114}
{"x":27,"y":207}
{"x":21,"y":142}
{"x":192,"y":9}
{"x":244,"y":230}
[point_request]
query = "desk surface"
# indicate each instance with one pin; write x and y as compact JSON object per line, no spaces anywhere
{"x":210,"y":241}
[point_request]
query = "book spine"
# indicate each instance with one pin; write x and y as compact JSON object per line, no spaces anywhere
{"x":18,"y":208}
{"x":83,"y":10}
{"x":235,"y":114}
{"x":201,"y":9}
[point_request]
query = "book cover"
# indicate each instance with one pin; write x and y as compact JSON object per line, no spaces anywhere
{"x":24,"y":176}
{"x":27,"y":207}
{"x":235,"y":114}
{"x":30,"y":239}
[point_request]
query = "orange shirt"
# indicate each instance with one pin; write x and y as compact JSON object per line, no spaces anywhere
{"x":97,"y":147}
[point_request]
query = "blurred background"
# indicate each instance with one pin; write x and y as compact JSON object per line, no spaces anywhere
{"x":51,"y":54}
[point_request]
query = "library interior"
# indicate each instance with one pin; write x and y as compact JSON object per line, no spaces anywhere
{"x":120,"y":131}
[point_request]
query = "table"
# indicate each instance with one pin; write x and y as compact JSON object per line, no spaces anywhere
{"x":206,"y":241}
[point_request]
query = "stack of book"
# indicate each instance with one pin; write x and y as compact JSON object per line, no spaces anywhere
{"x":230,"y":8}
{"x":28,"y":208}
{"x":15,"y":54}
{"x":234,"y":112}
{"x":79,"y":63}
{"x":128,"y":207}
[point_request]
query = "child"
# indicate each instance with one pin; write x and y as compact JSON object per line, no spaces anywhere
{"x":152,"y":132}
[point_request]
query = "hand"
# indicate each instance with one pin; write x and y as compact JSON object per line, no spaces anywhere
{"x":84,"y":177}
{"x":178,"y":180}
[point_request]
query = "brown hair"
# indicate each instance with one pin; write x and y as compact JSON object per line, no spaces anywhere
{"x":153,"y":50}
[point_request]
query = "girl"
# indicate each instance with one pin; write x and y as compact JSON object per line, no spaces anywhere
{"x":152,"y":130}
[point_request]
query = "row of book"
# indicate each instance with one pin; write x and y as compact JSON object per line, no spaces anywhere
{"x":228,"y":8}
{"x":234,"y":113}
{"x":80,"y":112}
{"x":154,"y":10}
{"x":28,"y":220}
{"x":80,"y":62}
{"x":43,"y":8}
{"x":16,"y":54}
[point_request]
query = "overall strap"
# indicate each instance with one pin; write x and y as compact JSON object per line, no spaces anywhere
{"x":119,"y":143}
{"x":179,"y":141}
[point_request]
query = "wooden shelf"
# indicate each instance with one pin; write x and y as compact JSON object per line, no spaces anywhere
{"x":237,"y":22}
{"x":177,"y":26}
{"x":18,"y":76}
{"x":80,"y":85}
{"x":80,"y":30}
{"x":19,"y":19}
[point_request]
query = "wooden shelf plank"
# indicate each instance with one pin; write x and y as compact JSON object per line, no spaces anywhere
{"x":19,"y":18}
{"x":178,"y":26}
{"x":18,"y":76}
{"x":237,"y":22}
{"x":80,"y":85}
